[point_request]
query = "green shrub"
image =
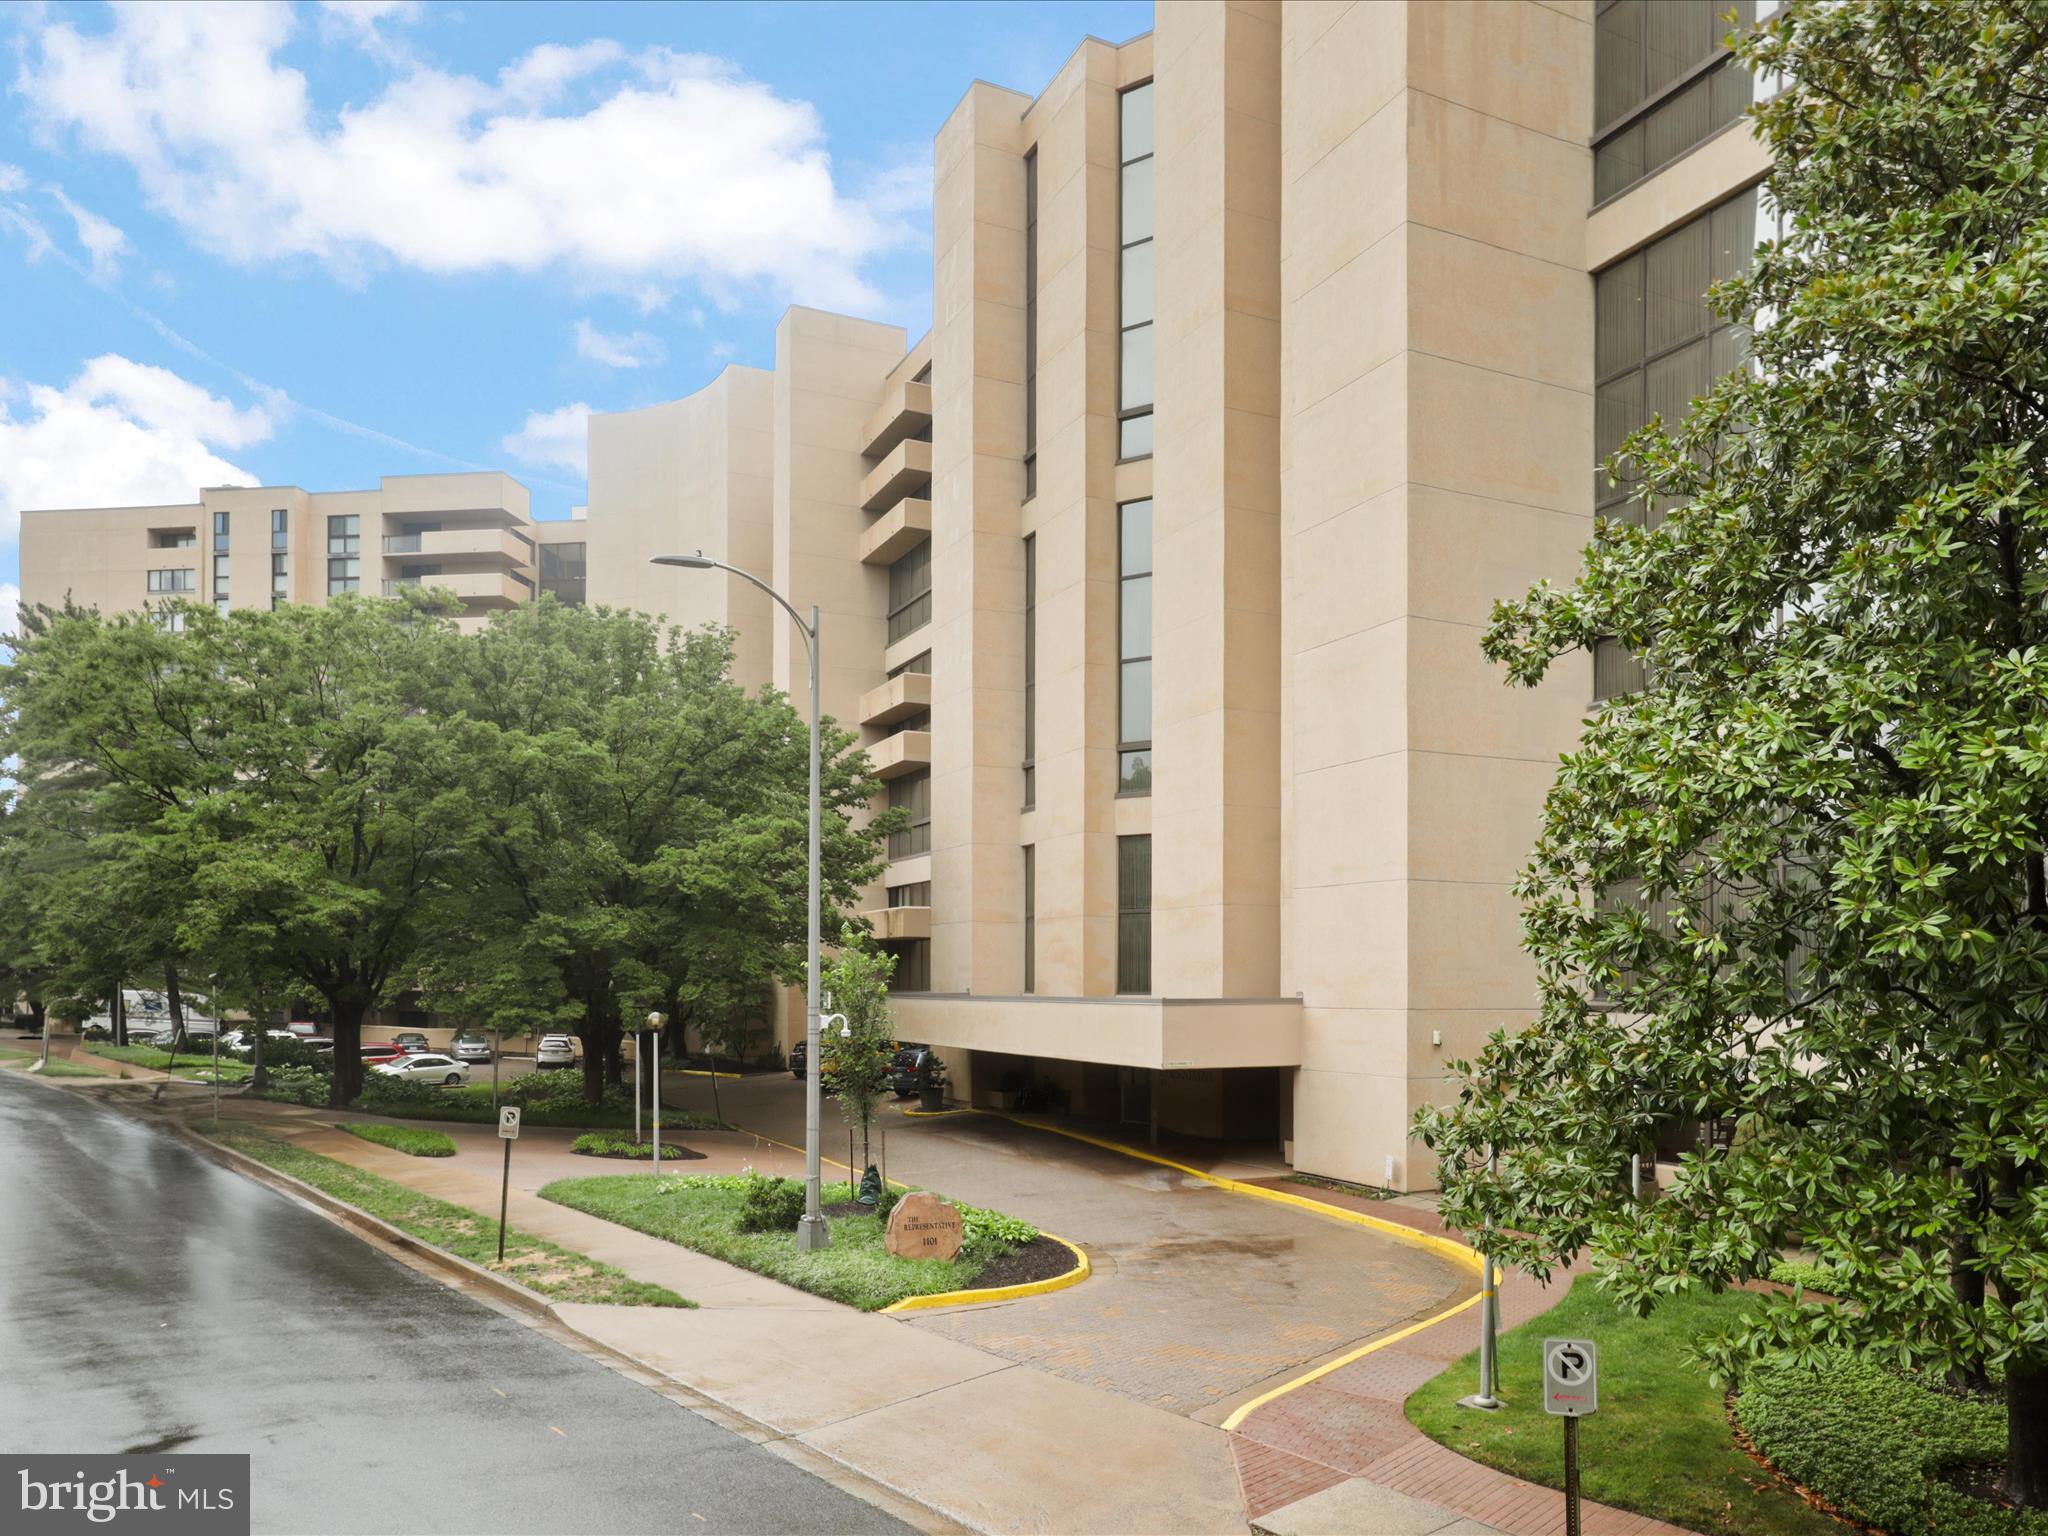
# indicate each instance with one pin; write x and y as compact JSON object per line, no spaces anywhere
{"x":1803,"y":1276}
{"x":772,"y":1205}
{"x":410,"y":1139}
{"x":297,"y":1085}
{"x":1875,"y":1443}
{"x":619,"y":1144}
{"x":989,"y":1234}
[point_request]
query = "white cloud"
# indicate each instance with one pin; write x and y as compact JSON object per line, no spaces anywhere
{"x":10,"y":607}
{"x":360,"y":24}
{"x":633,"y":350}
{"x":558,"y":437}
{"x":631,"y":169}
{"x":12,"y":177}
{"x":120,"y":433}
{"x":102,"y":238}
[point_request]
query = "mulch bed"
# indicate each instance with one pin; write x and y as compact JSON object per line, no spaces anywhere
{"x":1040,"y":1259}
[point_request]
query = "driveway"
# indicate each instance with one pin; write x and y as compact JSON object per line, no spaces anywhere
{"x":1201,"y":1297}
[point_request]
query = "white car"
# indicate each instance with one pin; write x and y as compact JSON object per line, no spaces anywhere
{"x":555,"y":1051}
{"x":427,"y":1068}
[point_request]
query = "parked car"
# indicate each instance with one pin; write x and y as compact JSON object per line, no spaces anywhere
{"x":427,"y":1067}
{"x":799,"y":1058}
{"x":302,"y":1029}
{"x":914,"y":1069}
{"x":555,"y":1051}
{"x":320,"y":1045}
{"x":411,"y":1041}
{"x":377,"y":1052}
{"x":470,"y":1047}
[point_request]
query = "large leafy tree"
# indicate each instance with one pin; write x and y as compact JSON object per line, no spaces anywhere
{"x":641,"y":827}
{"x":856,"y":1055}
{"x":1796,"y":884}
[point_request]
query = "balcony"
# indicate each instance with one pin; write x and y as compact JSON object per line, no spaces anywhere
{"x":477,"y":589}
{"x":905,"y":411}
{"x":896,"y":532}
{"x":905,"y":752}
{"x":492,"y":545}
{"x":908,"y":693}
{"x":907,"y":468}
{"x":900,"y":922}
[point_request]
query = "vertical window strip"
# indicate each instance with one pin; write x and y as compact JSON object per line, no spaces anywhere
{"x":1134,"y":914}
{"x":1031,"y":672}
{"x":1030,"y":326}
{"x":1030,"y":919}
{"x":1134,"y":648}
{"x":1134,"y":274}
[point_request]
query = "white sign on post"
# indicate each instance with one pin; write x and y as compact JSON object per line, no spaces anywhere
{"x":1571,"y":1378}
{"x":508,"y":1122}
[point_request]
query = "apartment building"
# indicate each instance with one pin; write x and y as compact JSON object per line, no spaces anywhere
{"x":1268,"y":349}
{"x":260,"y":546}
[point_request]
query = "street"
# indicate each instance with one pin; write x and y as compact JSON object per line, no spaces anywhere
{"x":154,"y":1301}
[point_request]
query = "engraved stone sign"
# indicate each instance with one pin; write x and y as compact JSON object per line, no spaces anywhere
{"x":923,"y":1227}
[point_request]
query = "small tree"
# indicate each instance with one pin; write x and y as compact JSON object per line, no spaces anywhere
{"x":1797,"y":883}
{"x":862,"y":1049}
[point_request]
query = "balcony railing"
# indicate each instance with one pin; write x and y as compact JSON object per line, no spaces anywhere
{"x":401,"y":544}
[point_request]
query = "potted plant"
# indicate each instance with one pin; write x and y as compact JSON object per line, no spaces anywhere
{"x":932,"y":1091}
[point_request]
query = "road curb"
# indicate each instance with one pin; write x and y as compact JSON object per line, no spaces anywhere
{"x":1074,"y":1276}
{"x":506,"y":1290}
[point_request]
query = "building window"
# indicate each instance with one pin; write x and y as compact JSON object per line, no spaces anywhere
{"x":1663,"y":81}
{"x":182,"y":579}
{"x":1030,"y":325}
{"x":171,"y":621}
{"x":1031,"y":672}
{"x":563,"y":571}
{"x":1134,"y":281}
{"x":220,"y":532}
{"x":910,"y":592}
{"x":220,"y":581}
{"x":173,"y":538}
{"x":912,"y":793}
{"x":1656,"y":345}
{"x":917,"y":894}
{"x":913,"y":965}
{"x":1134,"y":914}
{"x":1616,"y":670}
{"x":344,"y":554}
{"x":280,"y":580}
{"x":920,"y":664}
{"x":1134,"y":648}
{"x":280,"y":528}
{"x":1030,"y":919}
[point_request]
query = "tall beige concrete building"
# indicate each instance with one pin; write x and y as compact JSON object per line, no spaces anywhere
{"x":1267,"y":351}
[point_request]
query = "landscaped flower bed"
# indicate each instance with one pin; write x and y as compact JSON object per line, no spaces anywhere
{"x":712,"y":1214}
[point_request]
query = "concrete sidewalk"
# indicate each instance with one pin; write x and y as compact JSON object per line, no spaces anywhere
{"x":983,"y":1440}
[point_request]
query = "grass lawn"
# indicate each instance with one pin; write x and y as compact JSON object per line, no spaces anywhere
{"x":701,"y":1211}
{"x":21,"y":1061}
{"x":539,"y":1265}
{"x":232,"y":1070}
{"x":410,"y":1139}
{"x":1660,"y":1444}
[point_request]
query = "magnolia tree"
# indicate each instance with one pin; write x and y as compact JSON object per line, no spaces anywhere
{"x":1796,"y":883}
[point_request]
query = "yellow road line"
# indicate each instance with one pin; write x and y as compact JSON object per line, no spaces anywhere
{"x":1074,"y":1276}
{"x":1245,"y":1410}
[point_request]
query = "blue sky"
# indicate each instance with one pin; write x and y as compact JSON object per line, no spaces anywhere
{"x":313,"y":244}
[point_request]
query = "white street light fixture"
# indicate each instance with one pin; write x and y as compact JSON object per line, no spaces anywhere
{"x":812,"y":1232}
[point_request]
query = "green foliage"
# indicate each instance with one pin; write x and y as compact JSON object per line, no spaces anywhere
{"x":1806,"y":1277}
{"x":991,"y":1232}
{"x":703,"y":1212}
{"x":860,"y":1051}
{"x":199,"y":1057}
{"x":613,"y":1144}
{"x":1796,"y":884}
{"x":298,"y":1085}
{"x":535,"y":1263}
{"x":771,"y":1205}
{"x":1660,"y":1444}
{"x":1874,"y":1444}
{"x":409,"y":1139}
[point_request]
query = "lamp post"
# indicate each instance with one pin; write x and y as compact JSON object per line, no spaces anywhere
{"x":812,"y":1232}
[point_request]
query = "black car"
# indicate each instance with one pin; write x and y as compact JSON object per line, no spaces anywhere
{"x":799,"y":1053}
{"x":913,"y":1070}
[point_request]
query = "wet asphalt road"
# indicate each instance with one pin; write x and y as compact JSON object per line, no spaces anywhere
{"x":151,"y":1300}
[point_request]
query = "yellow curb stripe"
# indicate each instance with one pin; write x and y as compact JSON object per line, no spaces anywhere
{"x":935,"y":1114}
{"x":1245,"y":1411}
{"x":1456,"y":1252}
{"x":1074,"y":1276}
{"x":699,"y":1072}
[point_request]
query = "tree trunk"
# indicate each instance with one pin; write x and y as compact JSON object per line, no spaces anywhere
{"x":259,"y":1074}
{"x":120,"y":1012}
{"x":2026,"y":1432}
{"x":615,"y":1062}
{"x":177,"y":1001}
{"x":40,"y":1012}
{"x":348,"y":1051}
{"x":593,"y":1064}
{"x":1968,"y":1284}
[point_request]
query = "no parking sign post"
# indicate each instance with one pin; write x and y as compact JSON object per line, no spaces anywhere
{"x":508,"y":1132}
{"x":1571,"y":1390}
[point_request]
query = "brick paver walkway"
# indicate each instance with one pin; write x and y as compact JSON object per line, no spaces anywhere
{"x":1350,"y":1424}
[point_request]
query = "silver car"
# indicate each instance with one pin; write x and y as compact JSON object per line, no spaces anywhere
{"x":470,"y":1048}
{"x":555,"y":1051}
{"x":426,"y":1068}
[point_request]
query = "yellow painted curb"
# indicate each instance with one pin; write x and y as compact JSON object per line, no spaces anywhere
{"x":1074,"y":1276}
{"x":1245,"y":1411}
{"x":701,"y":1072}
{"x":1442,"y":1246}
{"x":936,"y":1114}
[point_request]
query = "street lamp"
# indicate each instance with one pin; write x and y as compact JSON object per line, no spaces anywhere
{"x":811,"y":1232}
